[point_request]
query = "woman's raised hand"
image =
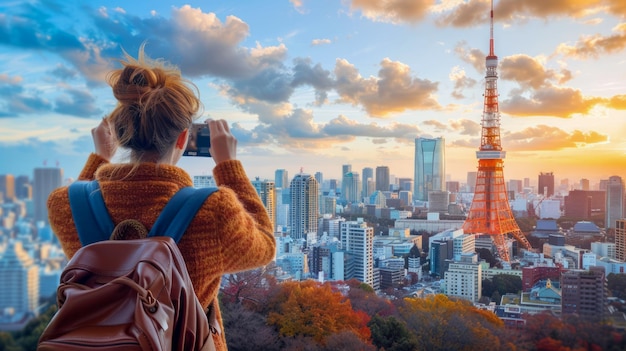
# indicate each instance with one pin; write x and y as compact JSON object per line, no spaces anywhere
{"x":223,"y":143}
{"x":103,"y":140}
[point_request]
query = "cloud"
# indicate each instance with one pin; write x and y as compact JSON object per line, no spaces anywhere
{"x":317,"y":42}
{"x":298,"y":5}
{"x":525,"y":70}
{"x":304,"y":73}
{"x":197,"y":42}
{"x":393,"y":91}
{"x":469,"y":13}
{"x":14,"y":100}
{"x":466,"y":127}
{"x":461,"y":82}
{"x":394,"y":11}
{"x":593,"y":46}
{"x":550,"y":101}
{"x":548,"y":138}
{"x":63,"y":72}
{"x":617,"y":7}
{"x":439,"y":126}
{"x":617,"y":102}
{"x":77,"y":102}
{"x":466,"y":14}
{"x":474,"y":57}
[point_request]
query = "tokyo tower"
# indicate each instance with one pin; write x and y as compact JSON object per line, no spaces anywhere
{"x":490,"y":213}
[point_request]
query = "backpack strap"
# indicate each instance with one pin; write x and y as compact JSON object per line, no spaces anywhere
{"x":87,"y":206}
{"x":179,"y":212}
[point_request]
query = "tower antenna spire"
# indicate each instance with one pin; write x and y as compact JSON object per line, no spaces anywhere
{"x":491,"y":49}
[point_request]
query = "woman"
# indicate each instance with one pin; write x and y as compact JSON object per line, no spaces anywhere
{"x":232,"y":231}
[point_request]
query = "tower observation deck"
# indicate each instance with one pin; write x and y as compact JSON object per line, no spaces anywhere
{"x":490,"y":212}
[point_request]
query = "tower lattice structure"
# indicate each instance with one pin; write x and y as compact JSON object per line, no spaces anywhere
{"x":490,"y":212}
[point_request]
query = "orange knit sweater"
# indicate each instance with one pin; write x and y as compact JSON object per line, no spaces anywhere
{"x":232,"y":231}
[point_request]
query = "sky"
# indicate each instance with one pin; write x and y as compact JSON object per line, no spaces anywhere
{"x":311,"y":85}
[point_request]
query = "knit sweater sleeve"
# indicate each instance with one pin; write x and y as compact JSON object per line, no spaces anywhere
{"x":59,"y":213}
{"x":93,"y":162}
{"x":248,"y":241}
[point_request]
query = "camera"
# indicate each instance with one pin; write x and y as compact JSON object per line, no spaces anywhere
{"x":199,"y":141}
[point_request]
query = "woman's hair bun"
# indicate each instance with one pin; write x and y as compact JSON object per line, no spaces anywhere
{"x":155,"y":104}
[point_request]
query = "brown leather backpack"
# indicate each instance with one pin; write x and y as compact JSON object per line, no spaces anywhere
{"x":129,"y":294}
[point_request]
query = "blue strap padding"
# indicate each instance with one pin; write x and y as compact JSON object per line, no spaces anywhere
{"x":88,"y":207}
{"x":179,"y":212}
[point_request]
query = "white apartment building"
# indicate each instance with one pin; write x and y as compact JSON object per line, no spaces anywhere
{"x":357,"y":239}
{"x":464,"y":278}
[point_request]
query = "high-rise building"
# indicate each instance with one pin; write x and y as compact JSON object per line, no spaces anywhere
{"x":584,"y":293}
{"x":490,"y":212}
{"x":440,"y":251}
{"x":471,"y":181}
{"x":304,"y":207}
{"x":319,"y":176}
{"x":546,"y":184}
{"x":352,"y":187}
{"x":332,"y":186}
{"x":204,"y":181}
{"x":282,"y":209}
{"x":267,"y":193}
{"x":620,"y":240}
{"x":584,"y":184}
{"x":453,"y":186}
{"x":7,"y":187}
{"x":382,"y":178}
{"x":405,"y":184}
{"x":357,"y":239}
{"x":46,"y":179}
{"x":281,"y":178}
{"x":585,"y":204}
{"x":23,"y":188}
{"x":430,"y":170}
{"x":406,"y":197}
{"x":345,"y":169}
{"x":614,"y":201}
{"x":20,"y":276}
{"x":367,"y":175}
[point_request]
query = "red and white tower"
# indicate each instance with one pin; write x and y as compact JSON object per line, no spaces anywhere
{"x":490,"y":213}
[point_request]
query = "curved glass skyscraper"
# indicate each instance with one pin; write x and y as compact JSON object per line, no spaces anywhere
{"x":430,"y":170}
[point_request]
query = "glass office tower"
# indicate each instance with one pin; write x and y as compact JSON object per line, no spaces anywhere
{"x":430,"y":172}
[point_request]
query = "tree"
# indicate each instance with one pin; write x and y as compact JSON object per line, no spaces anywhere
{"x":485,"y":254}
{"x":439,"y":323}
{"x":249,"y":287}
{"x":346,"y":341}
{"x":617,"y":285}
{"x":247,"y":330}
{"x":391,"y":335}
{"x":506,"y":283}
{"x":312,"y":309}
{"x":363,"y":298}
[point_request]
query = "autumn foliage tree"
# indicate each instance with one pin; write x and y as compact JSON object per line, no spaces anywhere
{"x":439,"y":323}
{"x":314,"y":310}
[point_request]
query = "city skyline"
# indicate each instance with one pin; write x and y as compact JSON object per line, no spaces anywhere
{"x":356,"y":90}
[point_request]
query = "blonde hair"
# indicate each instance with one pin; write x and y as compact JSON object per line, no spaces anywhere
{"x":155,"y":104}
